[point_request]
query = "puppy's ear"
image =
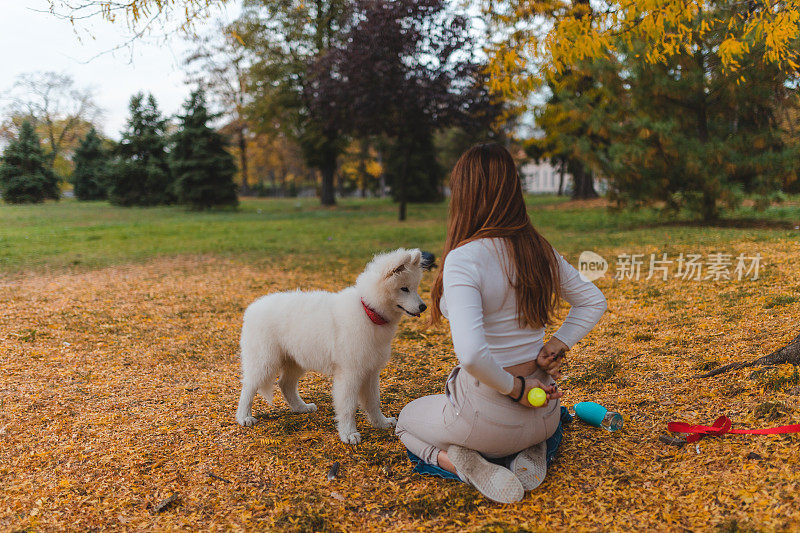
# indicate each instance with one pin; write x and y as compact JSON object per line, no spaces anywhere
{"x":396,"y":270}
{"x":415,"y":257}
{"x":400,"y":262}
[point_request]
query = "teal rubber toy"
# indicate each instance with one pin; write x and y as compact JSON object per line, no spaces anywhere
{"x":590,"y":412}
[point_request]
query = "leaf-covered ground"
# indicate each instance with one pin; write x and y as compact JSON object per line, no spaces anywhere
{"x":119,"y":388}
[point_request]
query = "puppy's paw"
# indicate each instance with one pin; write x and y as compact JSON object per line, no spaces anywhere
{"x":386,"y":423}
{"x":305,"y":408}
{"x":351,"y":438}
{"x":246,"y":421}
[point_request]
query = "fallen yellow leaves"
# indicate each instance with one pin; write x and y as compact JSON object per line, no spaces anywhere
{"x":119,"y":388}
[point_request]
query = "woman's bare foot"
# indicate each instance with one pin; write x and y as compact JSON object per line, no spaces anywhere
{"x":444,"y":462}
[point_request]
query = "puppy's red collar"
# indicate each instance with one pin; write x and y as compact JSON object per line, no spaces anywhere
{"x":373,"y":315}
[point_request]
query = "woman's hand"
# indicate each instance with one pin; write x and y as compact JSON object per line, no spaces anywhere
{"x":530,"y":383}
{"x":552,"y":356}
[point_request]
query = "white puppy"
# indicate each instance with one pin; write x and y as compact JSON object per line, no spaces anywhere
{"x":346,"y":335}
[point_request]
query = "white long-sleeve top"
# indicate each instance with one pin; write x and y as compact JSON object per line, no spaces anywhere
{"x":481,"y":306}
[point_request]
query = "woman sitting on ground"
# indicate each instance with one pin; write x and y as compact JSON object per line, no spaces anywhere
{"x":500,"y":285}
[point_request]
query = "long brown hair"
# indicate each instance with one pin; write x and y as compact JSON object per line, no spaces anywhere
{"x":486,"y":201}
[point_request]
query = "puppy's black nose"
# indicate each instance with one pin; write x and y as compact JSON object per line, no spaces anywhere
{"x":422,"y":307}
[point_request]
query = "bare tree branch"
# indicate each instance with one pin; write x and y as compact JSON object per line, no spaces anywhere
{"x":53,"y":102}
{"x":788,"y":354}
{"x":220,"y":65}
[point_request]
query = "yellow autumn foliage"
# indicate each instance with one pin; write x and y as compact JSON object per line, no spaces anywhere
{"x":663,"y":28}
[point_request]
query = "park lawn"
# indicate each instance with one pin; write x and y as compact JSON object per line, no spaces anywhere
{"x":119,"y":339}
{"x":298,"y":233}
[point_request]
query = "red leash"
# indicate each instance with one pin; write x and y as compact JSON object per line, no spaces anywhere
{"x":723,"y":425}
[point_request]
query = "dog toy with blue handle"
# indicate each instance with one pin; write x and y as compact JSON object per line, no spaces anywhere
{"x":596,"y":415}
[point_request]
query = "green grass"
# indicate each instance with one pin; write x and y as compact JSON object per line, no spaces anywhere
{"x":93,"y":234}
{"x":71,"y":234}
{"x":781,"y":300}
{"x":772,"y":379}
{"x":599,"y":371}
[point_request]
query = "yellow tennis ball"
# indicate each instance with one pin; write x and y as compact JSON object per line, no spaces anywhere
{"x":537,"y":397}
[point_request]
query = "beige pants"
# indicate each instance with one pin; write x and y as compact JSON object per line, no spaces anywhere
{"x":475,"y":416}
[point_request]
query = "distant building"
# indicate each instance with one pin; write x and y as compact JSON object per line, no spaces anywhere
{"x":542,"y":178}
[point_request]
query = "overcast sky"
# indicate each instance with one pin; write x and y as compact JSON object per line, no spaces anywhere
{"x":31,"y":39}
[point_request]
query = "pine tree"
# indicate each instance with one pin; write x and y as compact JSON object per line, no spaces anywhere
{"x":683,"y":133}
{"x":90,"y":177}
{"x":203,"y":169}
{"x":696,"y":136}
{"x":25,"y":175}
{"x":141,"y":174}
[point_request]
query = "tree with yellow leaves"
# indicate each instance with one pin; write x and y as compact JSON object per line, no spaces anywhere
{"x":361,"y":168}
{"x":541,"y":36}
{"x":673,"y":102}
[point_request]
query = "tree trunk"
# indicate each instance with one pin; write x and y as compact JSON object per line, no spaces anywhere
{"x":401,"y":189}
{"x":382,"y":176}
{"x":583,"y":183}
{"x":51,"y":157}
{"x":401,"y":197}
{"x":561,"y":178}
{"x":243,"y":162}
{"x":327,"y":195}
{"x":709,"y":208}
{"x":363,"y":176}
{"x":788,"y":354}
{"x":328,"y":157}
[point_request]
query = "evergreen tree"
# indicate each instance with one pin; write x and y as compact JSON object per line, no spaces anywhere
{"x":90,"y":177}
{"x":684,"y":133}
{"x":696,"y":136}
{"x":412,"y":169}
{"x":141,"y":174}
{"x":575,"y":123}
{"x":25,"y":175}
{"x":203,"y":169}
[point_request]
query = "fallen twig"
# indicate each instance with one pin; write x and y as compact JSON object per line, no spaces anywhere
{"x":672,"y":441}
{"x":213,"y":475}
